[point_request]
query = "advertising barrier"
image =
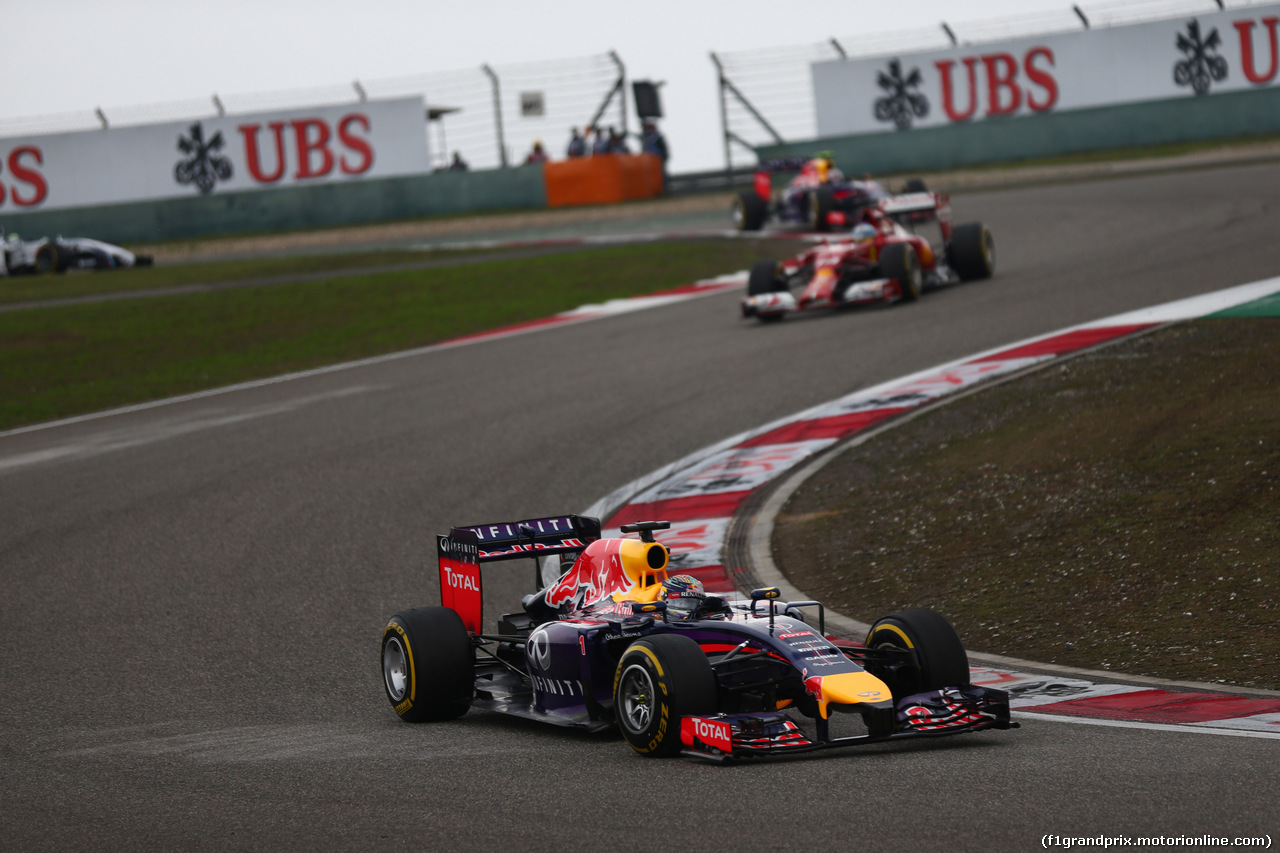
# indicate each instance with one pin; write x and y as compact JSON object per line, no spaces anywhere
{"x":214,"y":156}
{"x":1187,"y":58}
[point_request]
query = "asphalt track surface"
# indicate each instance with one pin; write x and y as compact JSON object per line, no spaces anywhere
{"x":191,"y":595}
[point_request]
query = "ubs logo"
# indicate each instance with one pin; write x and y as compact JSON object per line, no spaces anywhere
{"x":1202,"y":65}
{"x":204,"y":166}
{"x":902,"y":102}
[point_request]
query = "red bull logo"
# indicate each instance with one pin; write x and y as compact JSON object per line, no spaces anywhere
{"x":599,"y":572}
{"x":518,"y":548}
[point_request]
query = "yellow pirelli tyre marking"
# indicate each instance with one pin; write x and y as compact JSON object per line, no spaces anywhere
{"x":896,"y":630}
{"x":656,"y":665}
{"x":413,"y":677}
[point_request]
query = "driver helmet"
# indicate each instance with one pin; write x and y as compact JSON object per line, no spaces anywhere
{"x":864,"y":232}
{"x":683,"y":594}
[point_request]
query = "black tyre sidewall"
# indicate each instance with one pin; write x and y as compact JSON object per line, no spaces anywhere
{"x":753,"y":209}
{"x":684,"y":685}
{"x":940,"y":658}
{"x":441,"y":676}
{"x":47,"y":258}
{"x":821,"y":201}
{"x":968,"y":251}
{"x":897,"y":261}
{"x":763,"y":279}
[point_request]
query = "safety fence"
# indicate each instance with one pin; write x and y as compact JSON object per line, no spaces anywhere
{"x":490,"y":115}
{"x":767,"y":95}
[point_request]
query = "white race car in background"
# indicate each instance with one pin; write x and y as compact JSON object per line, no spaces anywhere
{"x":64,"y":253}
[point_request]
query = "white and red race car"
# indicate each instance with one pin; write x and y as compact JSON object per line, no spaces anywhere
{"x":882,"y":259}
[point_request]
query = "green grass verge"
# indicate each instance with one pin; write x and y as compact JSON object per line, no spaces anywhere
{"x":28,"y":288}
{"x":1116,"y":511}
{"x":61,"y":361}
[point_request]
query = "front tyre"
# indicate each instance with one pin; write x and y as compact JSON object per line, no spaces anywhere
{"x":49,"y":259}
{"x":900,"y":262}
{"x":764,"y":278}
{"x":936,"y":656}
{"x":428,"y":666}
{"x":821,"y":202}
{"x":659,"y":680}
{"x":972,"y":251}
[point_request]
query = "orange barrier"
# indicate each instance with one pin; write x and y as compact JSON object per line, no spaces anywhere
{"x":603,"y":179}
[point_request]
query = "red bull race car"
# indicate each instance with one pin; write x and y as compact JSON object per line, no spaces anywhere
{"x":819,"y":198}
{"x":610,"y":639}
{"x":882,"y":259}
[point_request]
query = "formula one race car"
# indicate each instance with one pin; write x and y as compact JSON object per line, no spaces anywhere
{"x":614,"y":641}
{"x":881,"y":260}
{"x":819,"y":198}
{"x":63,"y":253}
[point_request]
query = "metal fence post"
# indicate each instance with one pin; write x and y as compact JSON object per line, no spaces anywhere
{"x":622,"y":89}
{"x":497,"y":114}
{"x":724,"y":117}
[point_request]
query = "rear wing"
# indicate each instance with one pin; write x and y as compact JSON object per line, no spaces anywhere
{"x":909,"y":203}
{"x":783,"y":164}
{"x":461,"y":553}
{"x":559,"y":534}
{"x":763,"y":181}
{"x":921,"y":207}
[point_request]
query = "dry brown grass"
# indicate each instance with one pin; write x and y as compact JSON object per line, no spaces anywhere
{"x":1117,"y":511}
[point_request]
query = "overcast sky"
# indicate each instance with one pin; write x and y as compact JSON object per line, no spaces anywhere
{"x":71,"y":55}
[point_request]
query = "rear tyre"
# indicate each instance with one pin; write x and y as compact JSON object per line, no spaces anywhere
{"x":659,"y":680}
{"x":821,"y":202}
{"x":749,"y":212}
{"x":899,"y":261}
{"x":937,"y":657}
{"x":916,"y":185}
{"x":428,"y":667}
{"x":972,"y":251}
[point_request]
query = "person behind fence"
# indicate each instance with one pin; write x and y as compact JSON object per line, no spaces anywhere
{"x":601,"y":143}
{"x":653,"y":142}
{"x":458,"y":164}
{"x":577,"y":145}
{"x":617,"y":142}
{"x":537,"y":155}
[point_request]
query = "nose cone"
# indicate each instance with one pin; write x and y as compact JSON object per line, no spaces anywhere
{"x":848,"y":688}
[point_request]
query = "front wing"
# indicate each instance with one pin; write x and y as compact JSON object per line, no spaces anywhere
{"x":952,"y":710}
{"x":784,"y":302}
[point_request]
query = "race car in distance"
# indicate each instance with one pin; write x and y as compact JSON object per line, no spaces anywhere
{"x":819,"y":198}
{"x":63,"y":253}
{"x":883,"y":259}
{"x":609,"y":639}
